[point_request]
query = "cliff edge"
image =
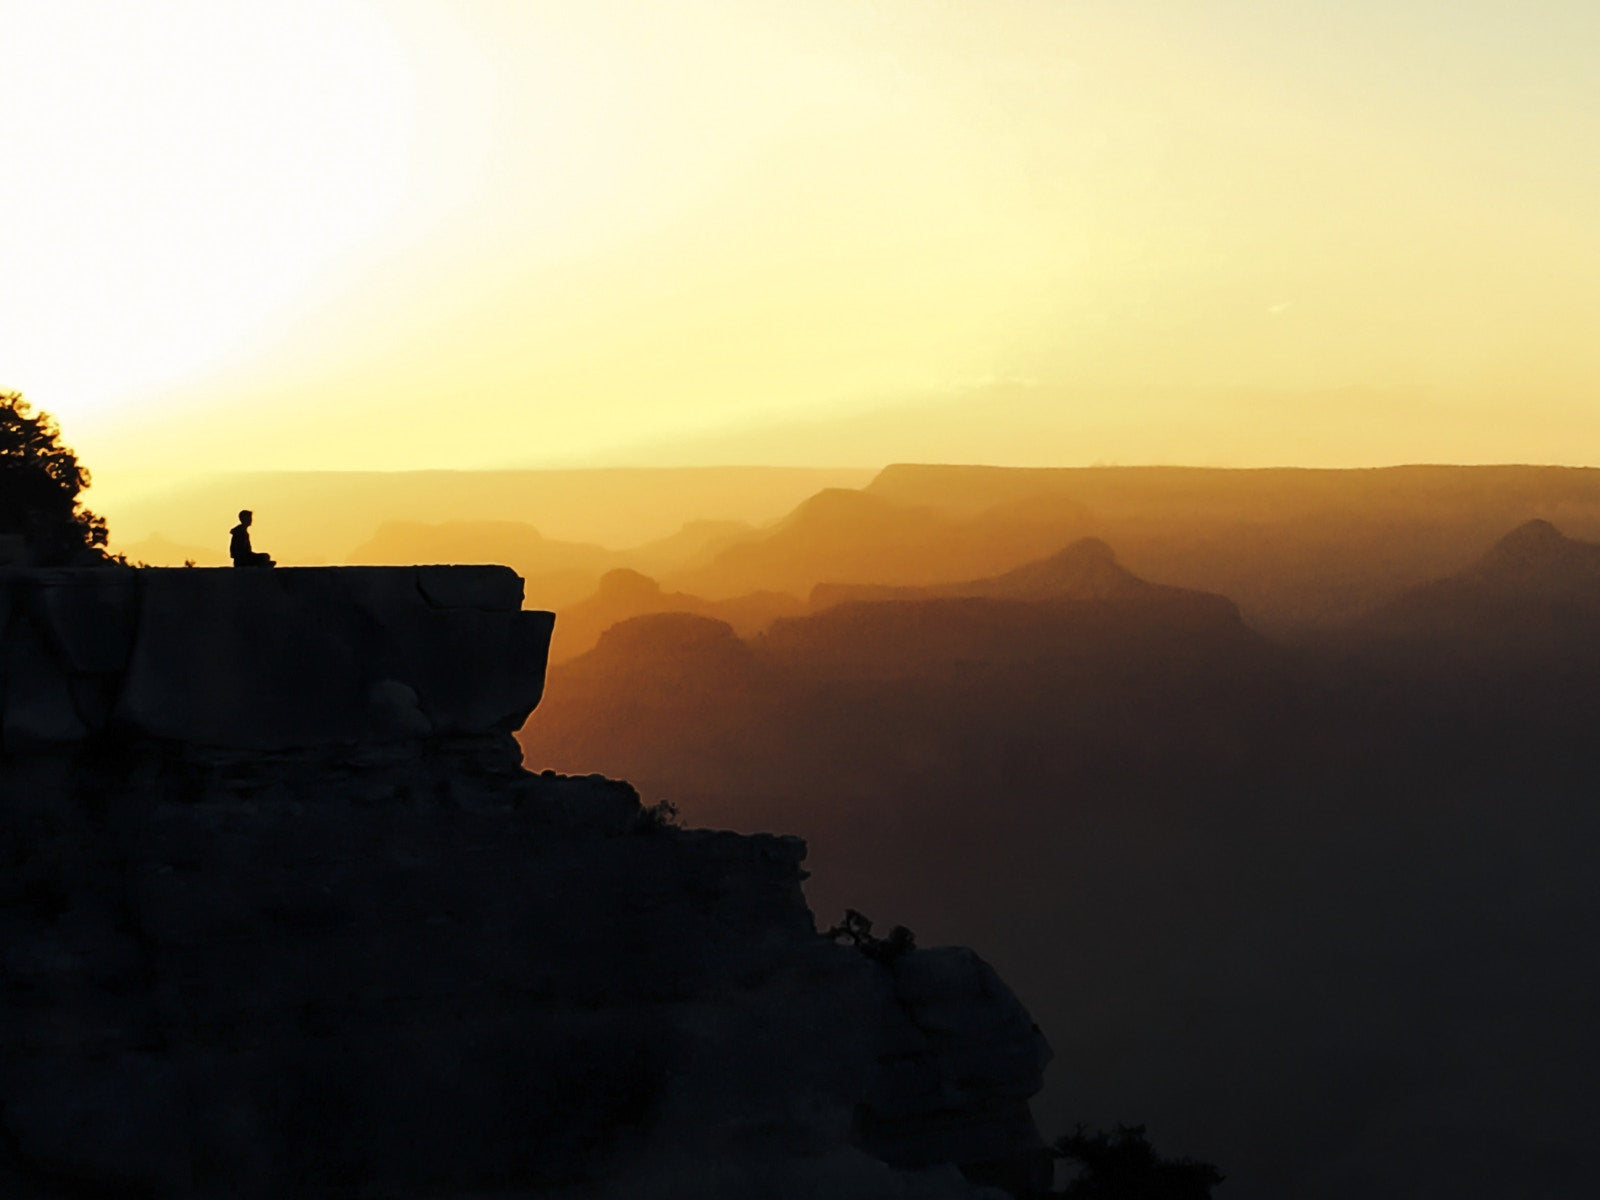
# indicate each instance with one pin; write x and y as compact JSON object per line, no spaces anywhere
{"x":280,"y":914}
{"x":266,"y":660}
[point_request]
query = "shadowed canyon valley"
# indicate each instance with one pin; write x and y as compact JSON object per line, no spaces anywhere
{"x":1269,"y":793}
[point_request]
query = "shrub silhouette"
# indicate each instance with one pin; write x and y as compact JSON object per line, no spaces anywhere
{"x":1124,"y":1166}
{"x":39,"y":484}
{"x":663,"y":814}
{"x":857,"y":930}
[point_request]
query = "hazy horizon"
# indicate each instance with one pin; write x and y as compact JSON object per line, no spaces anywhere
{"x":1027,"y":232}
{"x":324,"y":516}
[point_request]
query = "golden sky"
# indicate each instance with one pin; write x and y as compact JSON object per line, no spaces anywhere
{"x":332,"y":233}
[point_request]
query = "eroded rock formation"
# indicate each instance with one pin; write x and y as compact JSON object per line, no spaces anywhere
{"x":266,"y":660}
{"x":280,"y":914}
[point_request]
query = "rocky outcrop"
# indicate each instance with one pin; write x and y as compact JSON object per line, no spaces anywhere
{"x":248,"y":953}
{"x":266,"y":660}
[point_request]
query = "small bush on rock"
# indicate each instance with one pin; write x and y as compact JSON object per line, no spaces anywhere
{"x":1124,"y":1166}
{"x":663,"y":814}
{"x":857,"y":930}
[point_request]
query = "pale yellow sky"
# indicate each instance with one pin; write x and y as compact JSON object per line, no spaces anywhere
{"x":426,"y":234}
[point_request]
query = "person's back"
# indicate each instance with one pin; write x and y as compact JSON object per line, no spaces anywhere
{"x":239,"y":548}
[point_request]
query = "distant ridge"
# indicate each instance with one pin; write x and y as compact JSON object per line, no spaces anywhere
{"x":1085,"y":570}
{"x":1536,"y":558}
{"x":624,"y":594}
{"x":1295,"y":548}
{"x":838,"y":533}
{"x":311,"y":514}
{"x":1078,"y":605}
{"x":1270,"y":491}
{"x":1534,"y":562}
{"x":843,"y":535}
{"x":1533,"y":597}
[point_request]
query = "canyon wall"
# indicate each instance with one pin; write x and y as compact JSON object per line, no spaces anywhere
{"x":280,"y":914}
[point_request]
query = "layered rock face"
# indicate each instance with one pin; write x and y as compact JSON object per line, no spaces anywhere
{"x":266,"y":660}
{"x":281,"y":915}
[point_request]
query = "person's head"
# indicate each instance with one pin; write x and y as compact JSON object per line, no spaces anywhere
{"x":245,"y":516}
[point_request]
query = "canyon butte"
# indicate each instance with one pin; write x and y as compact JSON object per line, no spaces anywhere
{"x":281,"y":913}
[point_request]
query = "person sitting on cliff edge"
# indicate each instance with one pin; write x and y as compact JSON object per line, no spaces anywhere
{"x":239,"y":544}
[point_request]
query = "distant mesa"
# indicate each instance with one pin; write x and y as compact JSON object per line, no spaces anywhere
{"x":1078,"y":605}
{"x":1534,"y":562}
{"x":625,"y":593}
{"x":846,"y":536}
{"x":1086,"y":570}
{"x":837,"y":530}
{"x":696,"y":544}
{"x":1211,"y":493}
{"x":1536,"y":558}
{"x":968,"y":490}
{"x":1056,"y":510}
{"x":646,"y":647}
{"x":627,"y":586}
{"x":1533,"y":598}
{"x":669,"y":631}
{"x":839,"y":519}
{"x":834,"y":506}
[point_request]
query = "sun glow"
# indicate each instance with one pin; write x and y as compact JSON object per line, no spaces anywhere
{"x":240,"y":234}
{"x":183,"y":171}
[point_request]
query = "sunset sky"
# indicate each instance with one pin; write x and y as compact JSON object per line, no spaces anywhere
{"x":328,"y":233}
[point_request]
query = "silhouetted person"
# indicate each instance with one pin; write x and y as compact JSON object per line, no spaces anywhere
{"x":239,"y":544}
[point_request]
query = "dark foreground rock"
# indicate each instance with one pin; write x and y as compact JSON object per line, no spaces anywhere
{"x":391,"y":964}
{"x":266,"y":660}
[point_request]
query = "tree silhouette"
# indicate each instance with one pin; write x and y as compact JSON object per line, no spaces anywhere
{"x":1124,"y":1166}
{"x":39,"y":484}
